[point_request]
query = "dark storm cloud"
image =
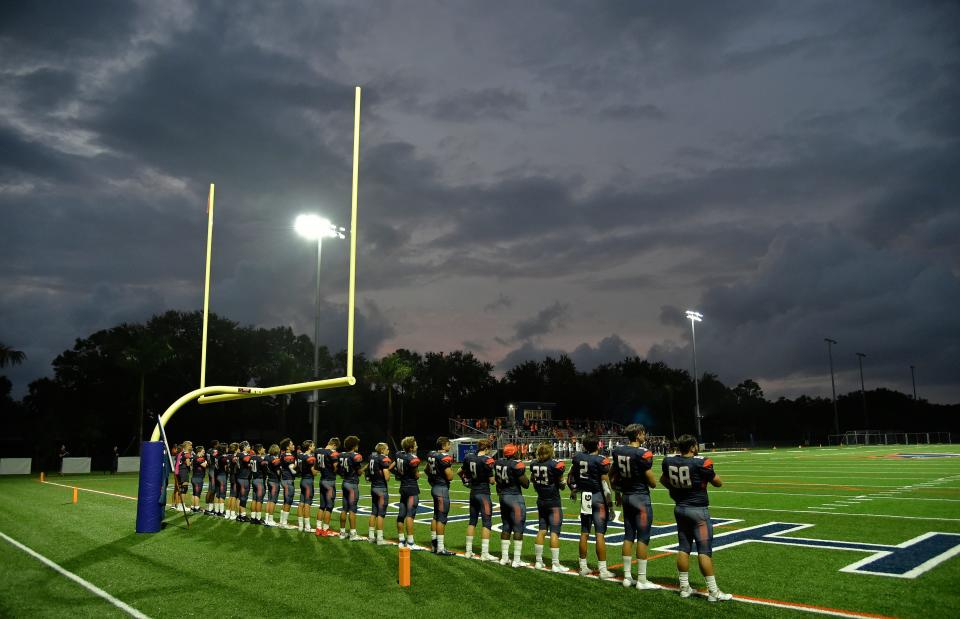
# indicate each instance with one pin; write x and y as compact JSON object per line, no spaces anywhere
{"x":585,"y":357}
{"x":546,"y":320}
{"x":630,"y":111}
{"x":488,"y":103}
{"x":501,"y":302}
{"x":64,"y":27}
{"x":45,"y":88}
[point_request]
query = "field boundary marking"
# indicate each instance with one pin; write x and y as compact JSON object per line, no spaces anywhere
{"x":86,"y":584}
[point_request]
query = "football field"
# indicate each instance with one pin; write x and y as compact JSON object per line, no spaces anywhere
{"x":851,"y":532}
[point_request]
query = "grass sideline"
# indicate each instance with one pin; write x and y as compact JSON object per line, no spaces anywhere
{"x":856,"y":494}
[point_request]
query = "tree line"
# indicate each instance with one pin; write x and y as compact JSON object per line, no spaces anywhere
{"x":109,"y":388}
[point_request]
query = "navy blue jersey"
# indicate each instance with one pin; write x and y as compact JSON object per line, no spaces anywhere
{"x":272,"y":464}
{"x":257,"y":465}
{"x":198,"y":469}
{"x":507,"y":473}
{"x":378,"y":464}
{"x":479,"y":471}
{"x":630,"y":466}
{"x":437,"y":464}
{"x":349,"y":464}
{"x":586,"y":471}
{"x":224,"y":462}
{"x":288,"y":466}
{"x":327,"y":463}
{"x":406,"y":469}
{"x":243,"y":465}
{"x":213,"y":457}
{"x":687,"y":479}
{"x":307,"y":463}
{"x":546,"y":477}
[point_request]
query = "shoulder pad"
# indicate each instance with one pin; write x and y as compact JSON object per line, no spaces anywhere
{"x":520,"y":465}
{"x":648,"y":455}
{"x":447,"y":458}
{"x":357,"y":458}
{"x":334,"y":454}
{"x":560,"y":465}
{"x":414,"y":461}
{"x":606,"y":462}
{"x":708,"y":463}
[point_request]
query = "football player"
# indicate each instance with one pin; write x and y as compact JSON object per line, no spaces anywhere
{"x":477,"y":474}
{"x":196,"y":480}
{"x":350,"y":464}
{"x":686,"y":476}
{"x":211,"y":457}
{"x":244,"y":476}
{"x":185,"y":467}
{"x":633,"y":477}
{"x":307,"y":470}
{"x":378,"y":474}
{"x":232,"y":463}
{"x":272,"y":464}
{"x":223,"y":466}
{"x":589,"y":477}
{"x":327,"y":465}
{"x":547,"y":476}
{"x":439,"y":475}
{"x":288,"y":475}
{"x":511,"y":476}
{"x":408,"y":472}
{"x":258,"y":467}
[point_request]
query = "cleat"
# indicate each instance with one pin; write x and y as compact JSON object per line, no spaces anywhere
{"x":468,"y":554}
{"x":445,"y":553}
{"x":319,"y":532}
{"x":720,"y":596}
{"x":539,"y":566}
{"x":686,"y":592}
{"x":516,"y":564}
{"x":415,"y":547}
{"x":433,"y":544}
{"x":585,"y":571}
{"x":560,"y":569}
{"x":286,"y":526}
{"x":646,"y":585}
{"x":270,"y":523}
{"x":382,"y":542}
{"x":357,"y":538}
{"x":605,"y":575}
{"x":627,"y":582}
{"x":489,"y":558}
{"x":505,"y":561}
{"x":343,"y":535}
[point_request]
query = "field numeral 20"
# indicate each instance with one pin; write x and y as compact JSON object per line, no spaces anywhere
{"x":680,"y":476}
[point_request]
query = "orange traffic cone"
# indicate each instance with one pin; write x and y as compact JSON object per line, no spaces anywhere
{"x":75,"y":495}
{"x":43,"y":477}
{"x":404,"y":573}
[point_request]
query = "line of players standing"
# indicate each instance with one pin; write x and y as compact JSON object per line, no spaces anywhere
{"x":259,"y":473}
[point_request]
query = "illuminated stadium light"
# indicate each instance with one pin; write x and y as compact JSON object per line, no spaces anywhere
{"x":696,"y":317}
{"x":313,"y":227}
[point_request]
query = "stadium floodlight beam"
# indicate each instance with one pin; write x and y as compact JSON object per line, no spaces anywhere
{"x":863,"y":394}
{"x":694,"y":318}
{"x":833,"y":386}
{"x":315,"y":228}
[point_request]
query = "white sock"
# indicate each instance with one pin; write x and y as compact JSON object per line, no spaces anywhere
{"x":410,"y":541}
{"x":601,"y":565}
{"x":712,"y":584}
{"x":538,"y":551}
{"x":379,"y":534}
{"x":505,"y":549}
{"x":306,"y":523}
{"x":684,"y":579}
{"x":371,"y":534}
{"x":353,"y":532}
{"x":627,"y":566}
{"x":326,"y":526}
{"x":209,"y":507}
{"x":641,"y":569}
{"x":433,"y":535}
{"x":555,"y":555}
{"x":517,"y":549}
{"x":300,"y":522}
{"x":485,"y":546}
{"x":440,"y":545}
{"x":469,"y":544}
{"x":583,"y":564}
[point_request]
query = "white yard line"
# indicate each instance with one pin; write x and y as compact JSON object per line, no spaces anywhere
{"x":92,"y":588}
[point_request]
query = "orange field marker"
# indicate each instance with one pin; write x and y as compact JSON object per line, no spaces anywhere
{"x":76,"y":495}
{"x":42,"y":476}
{"x":404,"y":571}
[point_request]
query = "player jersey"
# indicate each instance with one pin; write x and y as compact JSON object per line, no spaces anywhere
{"x":546,"y":478}
{"x":271,"y":466}
{"x":243,"y":464}
{"x":378,"y":464}
{"x":631,"y":465}
{"x":586,"y":471}
{"x":507,"y":473}
{"x":213,"y":457}
{"x":479,"y":471}
{"x":406,"y":469}
{"x":224,"y":461}
{"x":285,"y":461}
{"x":257,"y":466}
{"x":307,"y":463}
{"x":326,"y":463}
{"x":437,"y":464}
{"x":198,"y":468}
{"x":687,"y":479}
{"x":349,"y":465}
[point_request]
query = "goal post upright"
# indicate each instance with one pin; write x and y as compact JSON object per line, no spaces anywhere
{"x":206,"y":291}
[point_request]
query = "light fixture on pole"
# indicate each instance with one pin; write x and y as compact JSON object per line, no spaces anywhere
{"x":863,"y":394}
{"x":833,"y":386}
{"x":694,"y":318}
{"x":313,"y":227}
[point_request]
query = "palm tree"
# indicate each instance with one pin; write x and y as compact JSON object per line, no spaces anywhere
{"x":389,"y":373}
{"x":143,"y":354}
{"x":9,"y":356}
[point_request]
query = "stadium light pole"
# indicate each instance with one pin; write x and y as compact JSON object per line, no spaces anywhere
{"x":863,"y":394}
{"x":694,"y":318}
{"x":913,"y":379}
{"x":833,"y":386}
{"x":315,"y":228}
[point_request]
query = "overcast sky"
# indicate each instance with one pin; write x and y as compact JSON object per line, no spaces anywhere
{"x":535,"y":177}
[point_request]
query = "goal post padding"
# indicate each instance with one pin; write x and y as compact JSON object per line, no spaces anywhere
{"x":152,"y":495}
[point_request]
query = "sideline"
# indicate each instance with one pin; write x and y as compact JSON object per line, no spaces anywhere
{"x":92,"y":588}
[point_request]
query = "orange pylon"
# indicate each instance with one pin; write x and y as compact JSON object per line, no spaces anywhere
{"x":42,"y":477}
{"x":75,"y":495}
{"x":404,"y":572}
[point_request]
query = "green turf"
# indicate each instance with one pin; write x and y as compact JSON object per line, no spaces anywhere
{"x":233,"y":569}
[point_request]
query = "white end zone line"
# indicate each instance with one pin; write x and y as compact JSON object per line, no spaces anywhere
{"x":92,"y":588}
